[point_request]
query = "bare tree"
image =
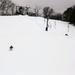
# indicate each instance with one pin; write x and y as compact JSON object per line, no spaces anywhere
{"x":37,"y":9}
{"x":47,"y":11}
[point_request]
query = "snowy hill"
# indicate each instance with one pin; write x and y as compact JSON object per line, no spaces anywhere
{"x":36,"y":52}
{"x":58,"y":28}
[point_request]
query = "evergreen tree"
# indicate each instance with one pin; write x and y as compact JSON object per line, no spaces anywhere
{"x":67,"y":13}
{"x":72,"y":17}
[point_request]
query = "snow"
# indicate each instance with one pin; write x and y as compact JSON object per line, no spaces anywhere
{"x":36,"y":52}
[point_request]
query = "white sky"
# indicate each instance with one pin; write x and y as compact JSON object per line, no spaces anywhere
{"x":57,"y":5}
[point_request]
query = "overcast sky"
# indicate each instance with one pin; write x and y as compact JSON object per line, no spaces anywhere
{"x":57,"y":5}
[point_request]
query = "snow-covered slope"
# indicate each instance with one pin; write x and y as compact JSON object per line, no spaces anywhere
{"x":58,"y":28}
{"x":36,"y":52}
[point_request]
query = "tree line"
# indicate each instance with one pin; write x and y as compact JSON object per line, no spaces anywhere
{"x":7,"y":7}
{"x":69,"y":15}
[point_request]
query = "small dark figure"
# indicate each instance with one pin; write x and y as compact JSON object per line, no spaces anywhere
{"x":46,"y":29}
{"x":11,"y":48}
{"x":66,"y":34}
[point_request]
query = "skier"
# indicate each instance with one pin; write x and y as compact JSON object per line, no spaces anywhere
{"x":11,"y":48}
